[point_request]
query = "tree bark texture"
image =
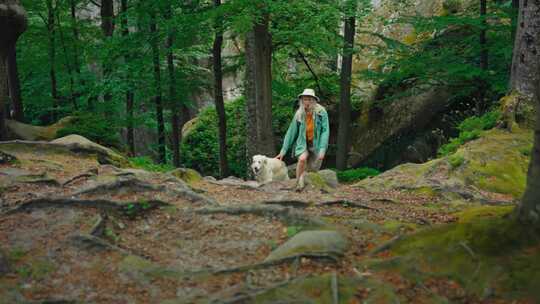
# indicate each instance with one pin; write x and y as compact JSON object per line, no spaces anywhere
{"x":218,"y":96}
{"x":525,"y":62}
{"x":13,"y":22}
{"x":14,"y":85}
{"x":175,"y":108}
{"x":157,"y":88}
{"x":129,"y":93}
{"x":343,"y":140}
{"x":107,"y":26}
{"x":259,"y":89}
{"x":51,"y":29}
{"x":526,"y":80}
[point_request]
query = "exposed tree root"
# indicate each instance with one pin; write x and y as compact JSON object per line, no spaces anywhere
{"x":132,"y":184}
{"x":136,"y":185}
{"x":100,"y":204}
{"x":98,"y":227}
{"x":86,"y":174}
{"x":345,"y":203}
{"x":95,"y":244}
{"x":286,"y":214}
{"x":245,"y":297}
{"x":288,"y":203}
{"x":385,"y":246}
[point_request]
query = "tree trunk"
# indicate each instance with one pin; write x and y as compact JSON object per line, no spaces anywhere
{"x":251,"y":106}
{"x":526,"y":79}
{"x":259,"y":90}
{"x":345,"y":92}
{"x":175,"y":119}
{"x":525,"y":64}
{"x":129,"y":92}
{"x":14,"y":84}
{"x":67,"y":63}
{"x":3,"y":95}
{"x":52,"y":58}
{"x":107,"y":26}
{"x":482,"y":87}
{"x":218,"y":96}
{"x":157,"y":97}
{"x":13,"y":23}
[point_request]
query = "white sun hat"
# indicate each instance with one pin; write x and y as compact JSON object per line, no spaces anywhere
{"x":309,"y":92}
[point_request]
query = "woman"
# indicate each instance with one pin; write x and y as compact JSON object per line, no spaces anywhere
{"x":309,"y":132}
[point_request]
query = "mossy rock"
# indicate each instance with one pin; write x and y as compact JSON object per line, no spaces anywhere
{"x":18,"y":130}
{"x":189,"y":176}
{"x":478,"y":165}
{"x":325,"y":180}
{"x":330,"y":243}
{"x":486,"y":252}
{"x":105,"y":155}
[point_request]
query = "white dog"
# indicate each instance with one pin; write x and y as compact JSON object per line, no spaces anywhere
{"x":267,"y":169}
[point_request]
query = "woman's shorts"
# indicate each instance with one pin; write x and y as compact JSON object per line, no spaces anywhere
{"x":313,"y":162}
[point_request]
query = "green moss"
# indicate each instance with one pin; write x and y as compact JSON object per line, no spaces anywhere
{"x":484,"y":250}
{"x":189,"y":176}
{"x":456,"y":160}
{"x":354,"y":175}
{"x":36,"y":269}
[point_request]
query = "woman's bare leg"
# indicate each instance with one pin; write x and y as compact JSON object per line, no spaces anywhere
{"x":300,"y":169}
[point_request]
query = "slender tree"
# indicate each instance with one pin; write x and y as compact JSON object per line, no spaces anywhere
{"x":129,"y":92}
{"x":481,"y":102}
{"x":67,"y":62}
{"x":14,"y":84}
{"x":51,"y":29}
{"x":175,"y":109}
{"x":157,"y":87}
{"x":107,"y":26}
{"x":345,"y":87}
{"x":13,"y":23}
{"x":218,"y":94}
{"x":526,"y":80}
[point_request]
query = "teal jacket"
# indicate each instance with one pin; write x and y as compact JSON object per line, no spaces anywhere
{"x":296,"y":134}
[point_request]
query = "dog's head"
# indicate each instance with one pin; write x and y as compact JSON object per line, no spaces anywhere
{"x":258,"y":162}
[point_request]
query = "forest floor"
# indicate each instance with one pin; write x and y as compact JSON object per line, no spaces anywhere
{"x":76,"y":231}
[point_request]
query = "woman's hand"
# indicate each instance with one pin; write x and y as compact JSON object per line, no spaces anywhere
{"x":321,"y":156}
{"x":279,"y":156}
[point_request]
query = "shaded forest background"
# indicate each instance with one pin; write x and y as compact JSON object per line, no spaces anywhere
{"x":134,"y":73}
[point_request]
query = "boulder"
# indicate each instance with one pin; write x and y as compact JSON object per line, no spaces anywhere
{"x":377,"y":124}
{"x":315,"y":242}
{"x":187,"y":175}
{"x":479,"y":170}
{"x":325,"y":180}
{"x":19,"y":130}
{"x":105,"y":155}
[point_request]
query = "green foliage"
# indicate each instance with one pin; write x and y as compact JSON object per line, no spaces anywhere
{"x":94,"y":127}
{"x":200,"y":149}
{"x":470,"y":129}
{"x":146,"y":163}
{"x":354,"y":175}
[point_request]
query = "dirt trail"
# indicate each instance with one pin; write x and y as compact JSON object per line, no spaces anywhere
{"x":76,"y":231}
